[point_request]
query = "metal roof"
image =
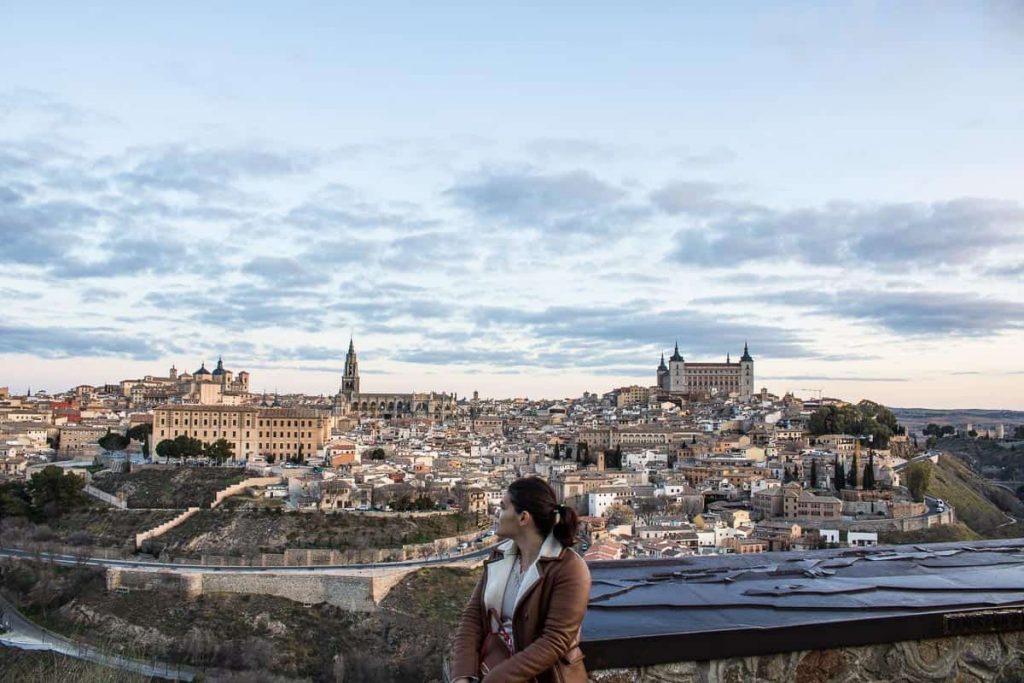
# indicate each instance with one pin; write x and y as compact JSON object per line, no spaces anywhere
{"x":646,"y":612}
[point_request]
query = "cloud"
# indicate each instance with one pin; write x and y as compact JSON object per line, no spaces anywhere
{"x":901,"y":312}
{"x":876,"y":236}
{"x":279,"y":270}
{"x":210,"y":171}
{"x":572,"y":201}
{"x":60,"y":342}
{"x":632,"y":325}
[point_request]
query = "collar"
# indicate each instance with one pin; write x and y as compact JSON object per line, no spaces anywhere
{"x":551,"y":549}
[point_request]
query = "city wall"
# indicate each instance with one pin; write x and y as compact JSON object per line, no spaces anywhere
{"x":352,"y":592}
{"x":163,"y":528}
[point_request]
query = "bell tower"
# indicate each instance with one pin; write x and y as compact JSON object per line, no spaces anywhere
{"x":350,"y":377}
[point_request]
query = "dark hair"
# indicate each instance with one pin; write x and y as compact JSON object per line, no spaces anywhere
{"x":534,"y":495}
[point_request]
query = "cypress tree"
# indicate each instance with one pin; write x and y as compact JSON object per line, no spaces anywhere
{"x":869,"y":471}
{"x":851,"y":476}
{"x":814,"y":473}
{"x":840,"y":475}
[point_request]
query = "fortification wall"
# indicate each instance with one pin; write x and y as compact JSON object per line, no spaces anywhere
{"x":163,"y":528}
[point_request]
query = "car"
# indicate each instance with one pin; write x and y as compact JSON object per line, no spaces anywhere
{"x":463,"y":545}
{"x":490,"y":532}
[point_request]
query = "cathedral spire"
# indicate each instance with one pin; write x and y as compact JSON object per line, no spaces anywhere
{"x":746,"y":354}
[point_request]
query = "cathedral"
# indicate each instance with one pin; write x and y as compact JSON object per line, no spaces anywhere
{"x":707,"y":379}
{"x":351,"y":401}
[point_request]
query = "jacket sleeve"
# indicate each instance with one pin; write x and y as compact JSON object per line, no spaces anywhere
{"x":469,"y":636}
{"x":570,"y":593}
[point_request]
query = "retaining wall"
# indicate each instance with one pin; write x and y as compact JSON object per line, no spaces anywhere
{"x":356,"y":593}
{"x":166,"y":526}
{"x":106,"y":497}
{"x":241,"y":486}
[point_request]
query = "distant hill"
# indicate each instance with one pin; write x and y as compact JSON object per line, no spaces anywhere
{"x":917,"y":418}
{"x":987,"y":509}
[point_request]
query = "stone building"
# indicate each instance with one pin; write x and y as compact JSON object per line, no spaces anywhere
{"x":271,"y":432}
{"x":219,"y":386}
{"x":351,"y":400}
{"x":703,"y":379}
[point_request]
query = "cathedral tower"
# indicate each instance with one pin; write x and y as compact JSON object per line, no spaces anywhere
{"x":350,"y":378}
{"x":746,"y":374}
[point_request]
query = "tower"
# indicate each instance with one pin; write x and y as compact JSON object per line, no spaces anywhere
{"x":350,"y":377}
{"x":677,"y":371}
{"x":746,"y":374}
{"x":663,"y":374}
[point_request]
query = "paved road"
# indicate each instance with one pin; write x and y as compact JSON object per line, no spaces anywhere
{"x":187,"y":568}
{"x":26,"y":635}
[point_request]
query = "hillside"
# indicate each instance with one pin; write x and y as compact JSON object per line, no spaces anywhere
{"x":256,"y":639}
{"x":988,"y":510}
{"x":174,"y":487}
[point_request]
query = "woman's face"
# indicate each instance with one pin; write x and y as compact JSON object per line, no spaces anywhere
{"x":507,"y":525}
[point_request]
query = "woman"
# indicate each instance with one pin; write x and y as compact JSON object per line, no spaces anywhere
{"x":531,"y":598}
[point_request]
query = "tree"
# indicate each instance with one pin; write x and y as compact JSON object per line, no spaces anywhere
{"x":15,"y":499}
{"x":301,"y":456}
{"x":919,"y":476}
{"x":1018,"y":432}
{"x":54,"y":492}
{"x":839,"y":478}
{"x":219,"y":451}
{"x":270,"y":458}
{"x":868,"y":480}
{"x":851,"y":476}
{"x":168,"y":449}
{"x":377,"y":454}
{"x":814,"y":473}
{"x":113,"y":441}
{"x":140,"y":432}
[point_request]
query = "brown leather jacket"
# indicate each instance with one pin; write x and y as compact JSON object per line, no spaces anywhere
{"x":549,"y":609}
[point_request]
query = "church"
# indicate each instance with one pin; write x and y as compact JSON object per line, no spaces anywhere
{"x":351,"y":401}
{"x":707,"y":379}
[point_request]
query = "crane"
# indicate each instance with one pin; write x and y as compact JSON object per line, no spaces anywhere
{"x":818,"y":391}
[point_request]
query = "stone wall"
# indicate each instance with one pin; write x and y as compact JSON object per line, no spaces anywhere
{"x":301,"y":557}
{"x":997,"y":657}
{"x":357,"y":592}
{"x":241,"y":486}
{"x":106,"y":497}
{"x":163,"y":528}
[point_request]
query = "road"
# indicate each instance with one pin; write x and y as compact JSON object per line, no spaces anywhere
{"x":188,"y":568}
{"x":26,"y":635}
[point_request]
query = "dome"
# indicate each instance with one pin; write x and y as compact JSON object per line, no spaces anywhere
{"x":202,"y":370}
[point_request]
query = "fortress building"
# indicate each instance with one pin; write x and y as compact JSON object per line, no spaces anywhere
{"x":351,"y":401}
{"x":702,"y":379}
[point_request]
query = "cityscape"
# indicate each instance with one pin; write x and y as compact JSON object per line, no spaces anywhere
{"x":473,"y":343}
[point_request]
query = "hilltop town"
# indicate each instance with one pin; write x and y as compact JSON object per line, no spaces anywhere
{"x":697,"y":463}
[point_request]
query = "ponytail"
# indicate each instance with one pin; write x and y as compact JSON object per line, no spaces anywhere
{"x":566,"y":526}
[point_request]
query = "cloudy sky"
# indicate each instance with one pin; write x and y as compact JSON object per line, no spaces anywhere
{"x":526,"y":200}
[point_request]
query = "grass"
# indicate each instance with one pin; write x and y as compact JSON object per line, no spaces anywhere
{"x":176,"y":488}
{"x":937,"y":534}
{"x":980,"y":505}
{"x":264,"y":638}
{"x":238,"y":532}
{"x":31,"y":666}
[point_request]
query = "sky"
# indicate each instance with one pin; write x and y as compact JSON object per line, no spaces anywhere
{"x":524,"y":199}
